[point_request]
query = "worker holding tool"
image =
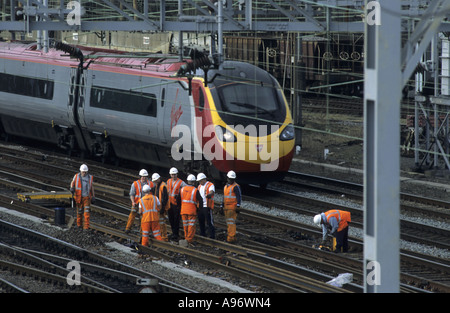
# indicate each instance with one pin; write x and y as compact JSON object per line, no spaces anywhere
{"x":335,"y":224}
{"x":163,"y":196}
{"x":190,"y":201}
{"x":174,"y":185}
{"x":149,"y":207}
{"x":135,"y":196}
{"x":82,"y":189}
{"x":207,"y":190}
{"x":231,"y":204}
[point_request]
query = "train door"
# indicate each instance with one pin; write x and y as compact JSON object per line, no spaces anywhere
{"x":172,"y":97}
{"x":75,"y":104}
{"x":76,"y":97}
{"x":198,"y":117}
{"x":162,"y":115}
{"x":82,"y":99}
{"x":71,"y":95}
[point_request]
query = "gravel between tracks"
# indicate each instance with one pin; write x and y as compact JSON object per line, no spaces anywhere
{"x":345,"y":156}
{"x":199,"y":279}
{"x":190,"y":276}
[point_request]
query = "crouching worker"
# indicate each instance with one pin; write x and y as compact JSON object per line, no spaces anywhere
{"x":149,"y":207}
{"x":335,"y":223}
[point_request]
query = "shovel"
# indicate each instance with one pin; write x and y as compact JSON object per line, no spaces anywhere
{"x":72,"y":218}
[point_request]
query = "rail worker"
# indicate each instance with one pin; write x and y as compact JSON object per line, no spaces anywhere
{"x":174,"y":185}
{"x":163,"y":196}
{"x":207,"y":190}
{"x":82,"y":189}
{"x":231,"y":204}
{"x":135,"y":196}
{"x":190,"y":201}
{"x":149,"y":207}
{"x":335,"y":223}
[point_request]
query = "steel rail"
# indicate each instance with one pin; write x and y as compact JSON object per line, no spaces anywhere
{"x":210,"y":260}
{"x":119,"y":191}
{"x":409,"y":229}
{"x":83,"y":254}
{"x":43,"y":275}
{"x":354,"y":190}
{"x":10,"y":287}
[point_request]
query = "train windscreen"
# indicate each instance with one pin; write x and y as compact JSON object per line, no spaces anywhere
{"x":248,"y":99}
{"x":245,"y":94}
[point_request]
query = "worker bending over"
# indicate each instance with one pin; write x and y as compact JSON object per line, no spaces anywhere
{"x":335,"y":223}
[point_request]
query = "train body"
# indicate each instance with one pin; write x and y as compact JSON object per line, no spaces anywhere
{"x":145,"y":108}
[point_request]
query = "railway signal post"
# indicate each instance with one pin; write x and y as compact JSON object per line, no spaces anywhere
{"x":381,"y":154}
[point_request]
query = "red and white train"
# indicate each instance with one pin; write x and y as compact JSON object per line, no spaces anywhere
{"x":153,"y":109}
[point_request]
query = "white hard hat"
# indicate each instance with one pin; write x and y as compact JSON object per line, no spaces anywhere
{"x":146,"y":188}
{"x":191,"y":178}
{"x":201,"y":176}
{"x":155,"y":176}
{"x":143,"y":173}
{"x":173,"y":170}
{"x":317,"y":219}
{"x":84,"y":168}
{"x":231,"y":174}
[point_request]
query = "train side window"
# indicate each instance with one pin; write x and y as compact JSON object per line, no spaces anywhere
{"x":163,"y":97}
{"x":201,"y":99}
{"x":26,"y":86}
{"x":151,"y":105}
{"x":124,"y":101}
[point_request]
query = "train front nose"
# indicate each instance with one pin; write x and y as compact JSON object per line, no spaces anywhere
{"x":262,"y":151}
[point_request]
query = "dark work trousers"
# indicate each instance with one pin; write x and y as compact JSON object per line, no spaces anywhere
{"x":205,"y":215}
{"x":174,"y":219}
{"x":342,"y":240}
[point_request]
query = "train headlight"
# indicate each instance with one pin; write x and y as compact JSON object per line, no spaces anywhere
{"x":288,"y":133}
{"x":224,"y":134}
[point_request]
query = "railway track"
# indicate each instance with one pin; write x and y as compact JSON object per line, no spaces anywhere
{"x":410,"y":204}
{"x":33,"y":209}
{"x":27,"y":252}
{"x":352,"y":107}
{"x":411,"y":231}
{"x":228,"y":258}
{"x":435,"y":269}
{"x":114,"y":186}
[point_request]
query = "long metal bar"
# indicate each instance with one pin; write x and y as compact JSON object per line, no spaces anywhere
{"x":381,"y":151}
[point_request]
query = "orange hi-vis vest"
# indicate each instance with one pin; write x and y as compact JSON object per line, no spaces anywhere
{"x":149,"y":205}
{"x":77,"y":185}
{"x":229,"y":197}
{"x":209,"y":202}
{"x":173,"y":187}
{"x":188,"y":200}
{"x":160,"y":193}
{"x":343,"y":218}
{"x":138,"y":187}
